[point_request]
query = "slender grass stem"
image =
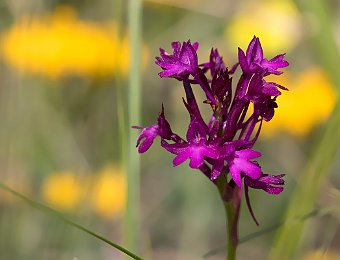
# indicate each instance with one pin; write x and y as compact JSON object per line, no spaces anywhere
{"x":122,"y":115}
{"x":121,"y":107}
{"x":134,"y":118}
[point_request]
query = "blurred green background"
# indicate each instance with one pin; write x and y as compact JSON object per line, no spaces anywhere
{"x":64,"y":74}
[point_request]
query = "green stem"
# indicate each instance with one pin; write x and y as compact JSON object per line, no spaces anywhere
{"x":231,"y":197}
{"x":134,"y":118}
{"x":231,"y":245}
{"x":123,"y":127}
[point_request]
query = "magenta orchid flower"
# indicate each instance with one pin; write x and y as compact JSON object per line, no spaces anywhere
{"x":222,"y":148}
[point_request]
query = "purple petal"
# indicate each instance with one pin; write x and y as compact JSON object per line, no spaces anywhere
{"x":217,"y":168}
{"x":235,"y":173}
{"x":198,"y":152}
{"x":211,"y":152}
{"x":180,"y":158}
{"x":281,"y":87}
{"x":254,"y":62}
{"x":273,"y":179}
{"x":221,"y":88}
{"x":227,"y":150}
{"x":174,"y":148}
{"x":196,"y":158}
{"x":146,"y":138}
{"x":254,"y":51}
{"x":243,"y":61}
{"x":250,"y":49}
{"x":196,"y":132}
{"x":274,"y":190}
{"x":266,"y":182}
{"x":164,"y":55}
{"x":270,"y":88}
{"x":248,"y":168}
{"x":215,"y":64}
{"x":188,"y":55}
{"x":248,"y":154}
{"x":258,"y":51}
{"x":167,"y":73}
{"x":195,"y":45}
{"x":274,"y":64}
{"x":279,"y":62}
{"x":176,"y":46}
{"x":181,"y":63}
{"x":164,"y":126}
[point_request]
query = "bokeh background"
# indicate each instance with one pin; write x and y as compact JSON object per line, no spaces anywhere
{"x":65,"y":66}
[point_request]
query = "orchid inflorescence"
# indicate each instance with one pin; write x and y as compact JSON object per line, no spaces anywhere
{"x":225,"y":144}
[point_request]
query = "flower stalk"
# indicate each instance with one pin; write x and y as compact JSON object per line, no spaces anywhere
{"x":232,"y":230}
{"x":231,"y":198}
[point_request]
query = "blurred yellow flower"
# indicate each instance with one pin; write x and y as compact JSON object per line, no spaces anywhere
{"x":62,"y":190}
{"x":60,"y":43}
{"x":322,"y":255}
{"x":309,"y":101}
{"x":276,"y":23}
{"x":109,"y":192}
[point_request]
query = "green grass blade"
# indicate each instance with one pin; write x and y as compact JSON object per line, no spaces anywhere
{"x":306,"y":192}
{"x":51,"y":212}
{"x":134,"y":118}
{"x":311,"y":181}
{"x":320,"y":26}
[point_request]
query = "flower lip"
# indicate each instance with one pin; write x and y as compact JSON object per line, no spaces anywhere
{"x":196,"y":149}
{"x":266,"y":182}
{"x":146,"y":138}
{"x":196,"y":152}
{"x":238,"y":160}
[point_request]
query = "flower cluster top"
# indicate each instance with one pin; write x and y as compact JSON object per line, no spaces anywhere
{"x":222,"y":147}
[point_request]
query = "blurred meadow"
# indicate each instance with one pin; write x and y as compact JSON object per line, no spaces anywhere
{"x":64,"y":133}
